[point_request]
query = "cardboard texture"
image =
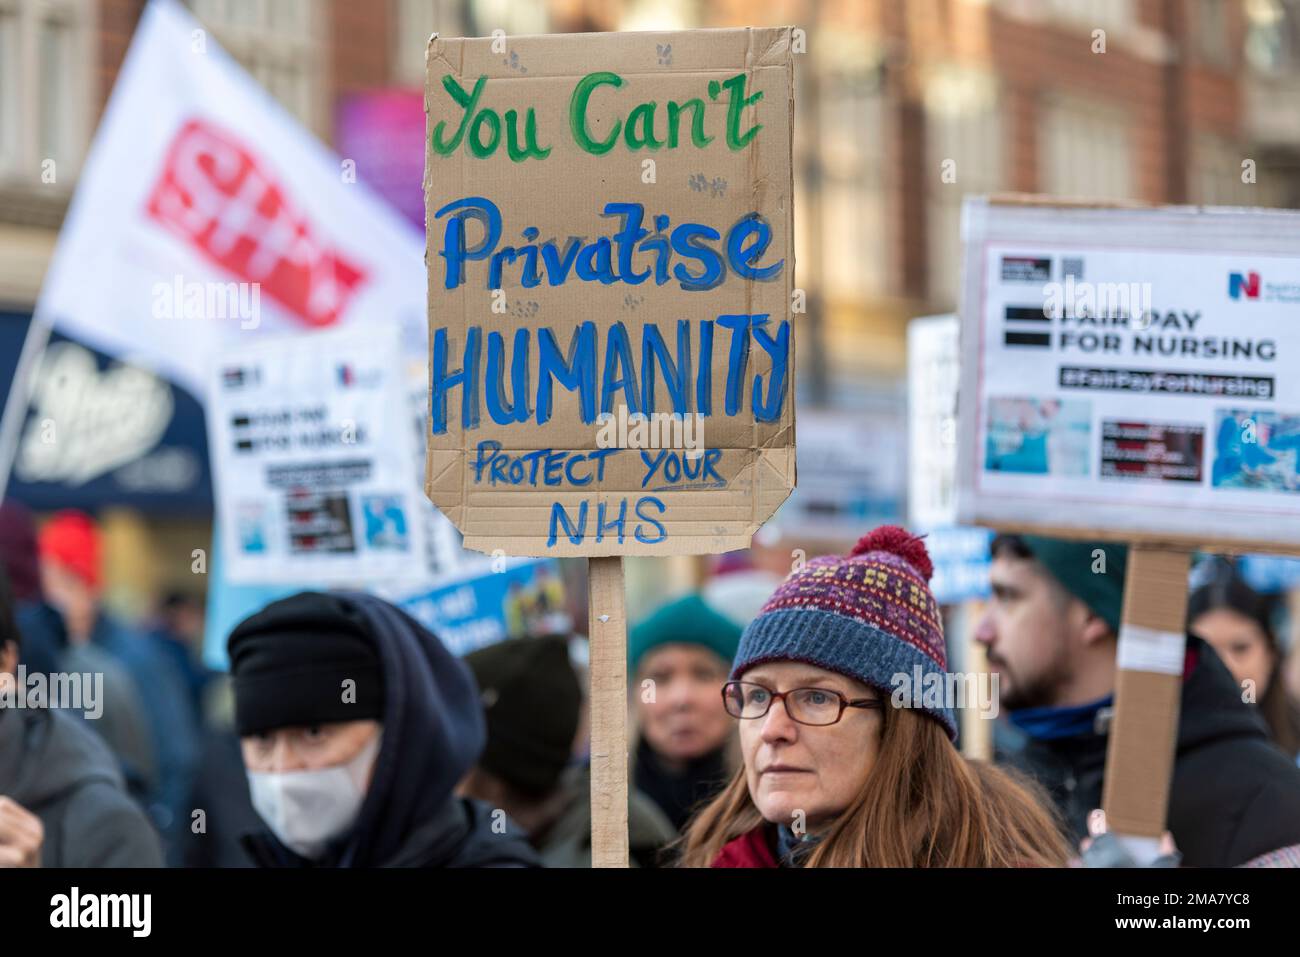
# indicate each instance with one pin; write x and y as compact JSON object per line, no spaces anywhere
{"x":528,"y":139}
{"x":1140,"y":754}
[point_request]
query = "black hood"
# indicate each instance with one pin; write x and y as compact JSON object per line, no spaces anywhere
{"x":461,"y":833}
{"x":433,"y":733}
{"x":1212,"y":709}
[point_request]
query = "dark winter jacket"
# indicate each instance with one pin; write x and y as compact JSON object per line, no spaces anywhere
{"x":567,"y":842}
{"x":65,"y":775}
{"x":1233,"y":797}
{"x":163,"y":698}
{"x":459,"y":834}
{"x":679,"y":794}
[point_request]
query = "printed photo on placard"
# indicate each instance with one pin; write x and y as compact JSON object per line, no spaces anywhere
{"x":1158,"y":451}
{"x":1257,"y":449}
{"x":1038,"y":436}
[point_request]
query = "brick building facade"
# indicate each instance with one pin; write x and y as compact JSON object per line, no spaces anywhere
{"x":904,"y":107}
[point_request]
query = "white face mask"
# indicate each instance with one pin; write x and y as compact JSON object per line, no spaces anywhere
{"x":308,"y":809}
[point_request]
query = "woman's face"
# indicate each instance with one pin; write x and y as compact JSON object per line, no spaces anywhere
{"x":683,"y":719}
{"x":803,"y":774}
{"x":1240,"y":643}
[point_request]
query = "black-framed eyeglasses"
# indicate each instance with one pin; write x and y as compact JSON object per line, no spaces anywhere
{"x":811,"y":706}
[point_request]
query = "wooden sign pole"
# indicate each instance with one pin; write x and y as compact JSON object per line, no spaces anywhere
{"x":1148,"y":690}
{"x":607,"y":633}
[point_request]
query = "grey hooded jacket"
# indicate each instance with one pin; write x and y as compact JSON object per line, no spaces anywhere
{"x":51,"y":765}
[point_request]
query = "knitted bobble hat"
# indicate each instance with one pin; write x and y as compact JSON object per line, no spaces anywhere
{"x":869,"y":615}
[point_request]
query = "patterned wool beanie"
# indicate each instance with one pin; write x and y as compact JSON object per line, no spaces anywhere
{"x":868,"y":616}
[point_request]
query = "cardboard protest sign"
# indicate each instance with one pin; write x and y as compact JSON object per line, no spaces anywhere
{"x":1133,"y":371}
{"x":1130,"y":373}
{"x":313,"y":456}
{"x":610,"y":266}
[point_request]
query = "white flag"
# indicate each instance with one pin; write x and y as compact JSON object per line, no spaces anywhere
{"x":206,"y":215}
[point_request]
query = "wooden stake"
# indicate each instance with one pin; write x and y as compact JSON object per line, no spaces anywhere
{"x":976,"y":728}
{"x":608,"y":637}
{"x":1148,"y":691}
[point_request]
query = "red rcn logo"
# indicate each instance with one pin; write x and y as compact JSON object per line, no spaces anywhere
{"x":214,"y":194}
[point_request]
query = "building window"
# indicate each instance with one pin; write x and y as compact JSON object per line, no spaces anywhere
{"x":10,"y":83}
{"x":1211,"y":30}
{"x":47,"y":66}
{"x":1106,"y":14}
{"x":964,"y":157}
{"x":281,"y":43}
{"x":1216,"y":171}
{"x":1272,"y":35}
{"x":850,"y":161}
{"x":1085,"y":150}
{"x":515,"y":17}
{"x":658,"y":15}
{"x":416,"y":21}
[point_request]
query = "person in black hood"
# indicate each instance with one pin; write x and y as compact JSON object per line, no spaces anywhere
{"x":1050,"y":633}
{"x":355,"y":725}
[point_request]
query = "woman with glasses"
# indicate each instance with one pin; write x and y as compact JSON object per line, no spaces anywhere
{"x":843,"y":765}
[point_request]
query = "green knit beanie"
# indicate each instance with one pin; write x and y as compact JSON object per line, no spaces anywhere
{"x":1072,"y":564}
{"x":688,"y":621}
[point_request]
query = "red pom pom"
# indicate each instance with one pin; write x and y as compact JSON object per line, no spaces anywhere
{"x":900,"y":542}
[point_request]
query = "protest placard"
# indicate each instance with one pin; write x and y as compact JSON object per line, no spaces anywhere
{"x":610,"y":265}
{"x":313,"y":456}
{"x":1129,"y":373}
{"x":1133,"y":371}
{"x":610,"y":277}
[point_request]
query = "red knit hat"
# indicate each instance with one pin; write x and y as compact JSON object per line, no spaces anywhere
{"x":71,"y":539}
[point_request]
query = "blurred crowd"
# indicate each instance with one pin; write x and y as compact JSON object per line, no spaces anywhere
{"x":767,"y":727}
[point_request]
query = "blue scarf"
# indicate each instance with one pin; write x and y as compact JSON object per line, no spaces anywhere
{"x":792,"y":849}
{"x":1049,"y":724}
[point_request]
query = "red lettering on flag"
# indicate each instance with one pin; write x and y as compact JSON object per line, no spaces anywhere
{"x":215,"y":195}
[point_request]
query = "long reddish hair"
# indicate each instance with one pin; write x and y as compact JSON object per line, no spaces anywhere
{"x":923,"y":805}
